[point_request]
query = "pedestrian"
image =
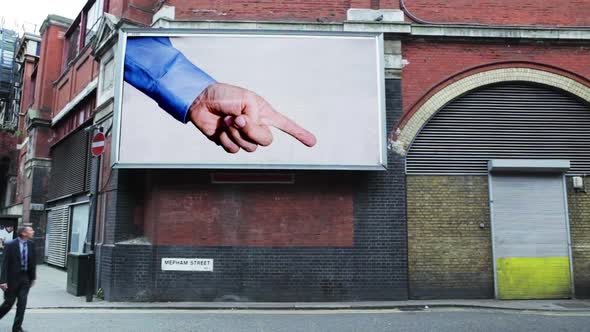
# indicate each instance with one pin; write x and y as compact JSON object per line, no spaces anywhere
{"x":18,"y":274}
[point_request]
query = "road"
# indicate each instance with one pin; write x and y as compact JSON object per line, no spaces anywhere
{"x":146,"y":320}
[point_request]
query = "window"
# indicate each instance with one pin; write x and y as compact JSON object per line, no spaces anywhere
{"x":82,"y":31}
{"x":72,"y":45}
{"x":92,"y":20}
{"x":79,"y":228}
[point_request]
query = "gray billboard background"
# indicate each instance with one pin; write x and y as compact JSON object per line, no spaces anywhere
{"x":330,"y":84}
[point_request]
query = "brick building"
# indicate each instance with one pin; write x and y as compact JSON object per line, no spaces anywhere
{"x":8,"y":120}
{"x":494,"y":86}
{"x":480,"y":98}
{"x":26,"y":59}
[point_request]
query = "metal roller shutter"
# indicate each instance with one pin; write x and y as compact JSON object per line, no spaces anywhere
{"x":71,"y":166}
{"x":530,"y":236}
{"x":58,"y":221}
{"x":507,"y":121}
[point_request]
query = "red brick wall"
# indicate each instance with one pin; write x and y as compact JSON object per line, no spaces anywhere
{"x":26,"y":102}
{"x":503,"y":12}
{"x":43,"y":137}
{"x":267,"y":10}
{"x":62,"y":93}
{"x":116,"y":7}
{"x":27,"y":85}
{"x":433,"y":65}
{"x":20,"y":176}
{"x":75,"y":79}
{"x":139,"y":11}
{"x":495,"y":12}
{"x":7,"y":144}
{"x":76,"y":117}
{"x":50,"y":64}
{"x":182,"y":211}
{"x":86,"y":69}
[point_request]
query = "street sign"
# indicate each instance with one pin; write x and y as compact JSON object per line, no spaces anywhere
{"x":187,"y":264}
{"x":97,"y":147}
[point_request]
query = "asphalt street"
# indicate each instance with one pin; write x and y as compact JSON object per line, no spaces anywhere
{"x":145,"y":320}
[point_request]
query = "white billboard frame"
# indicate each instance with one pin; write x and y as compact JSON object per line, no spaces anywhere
{"x":124,"y":33}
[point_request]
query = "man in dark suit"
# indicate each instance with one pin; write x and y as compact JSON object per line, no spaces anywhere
{"x":18,"y":274}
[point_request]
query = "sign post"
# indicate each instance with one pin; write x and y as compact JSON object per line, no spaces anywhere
{"x":96,"y":149}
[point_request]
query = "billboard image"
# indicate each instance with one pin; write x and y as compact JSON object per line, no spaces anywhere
{"x":249,"y":100}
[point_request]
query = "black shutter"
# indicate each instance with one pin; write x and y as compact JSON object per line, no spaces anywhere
{"x":70,"y":166}
{"x":506,"y":121}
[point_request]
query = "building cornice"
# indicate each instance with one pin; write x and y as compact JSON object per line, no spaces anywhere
{"x":30,"y":36}
{"x":35,"y":118}
{"x":394,"y":28}
{"x":55,"y":20}
{"x":38,"y":162}
{"x":503,"y":32}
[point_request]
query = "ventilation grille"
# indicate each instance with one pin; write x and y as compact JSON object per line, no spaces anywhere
{"x":509,"y":121}
{"x":57,"y":236}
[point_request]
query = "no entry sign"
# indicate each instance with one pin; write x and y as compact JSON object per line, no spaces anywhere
{"x":97,"y":147}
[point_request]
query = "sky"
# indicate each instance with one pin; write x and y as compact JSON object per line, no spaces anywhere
{"x":30,"y":13}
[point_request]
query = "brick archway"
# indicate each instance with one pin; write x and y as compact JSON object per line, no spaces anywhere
{"x":405,"y":136}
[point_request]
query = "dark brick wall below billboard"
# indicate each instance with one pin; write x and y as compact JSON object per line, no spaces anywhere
{"x":185,"y":208}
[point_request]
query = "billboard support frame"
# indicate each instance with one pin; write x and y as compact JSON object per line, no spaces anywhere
{"x":124,"y":33}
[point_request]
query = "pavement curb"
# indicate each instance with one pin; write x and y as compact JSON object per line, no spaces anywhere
{"x":312,"y":308}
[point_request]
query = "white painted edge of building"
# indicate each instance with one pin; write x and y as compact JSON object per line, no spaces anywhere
{"x":75,"y":101}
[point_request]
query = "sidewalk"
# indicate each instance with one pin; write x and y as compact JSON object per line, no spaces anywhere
{"x":50,"y":293}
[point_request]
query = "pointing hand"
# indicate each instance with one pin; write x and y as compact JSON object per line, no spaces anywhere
{"x":238,"y":118}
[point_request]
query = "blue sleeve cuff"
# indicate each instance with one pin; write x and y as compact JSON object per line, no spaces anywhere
{"x":155,"y":67}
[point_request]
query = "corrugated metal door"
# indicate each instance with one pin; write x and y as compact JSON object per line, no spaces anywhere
{"x":71,"y":166}
{"x":504,"y":121}
{"x":530,"y":236}
{"x":58,"y":222}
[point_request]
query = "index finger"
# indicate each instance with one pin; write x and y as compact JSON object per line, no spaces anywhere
{"x":279,"y":121}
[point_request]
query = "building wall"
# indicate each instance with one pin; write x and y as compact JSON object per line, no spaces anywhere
{"x":432,"y":65}
{"x":579,"y":219}
{"x":20,"y":177}
{"x":7,"y":145}
{"x":450,"y":256}
{"x":34,"y":165}
{"x":139,"y":11}
{"x":449,"y":253}
{"x":268,"y":10}
{"x":501,"y":12}
{"x":74,"y":79}
{"x":147,"y":219}
{"x":27,"y":89}
{"x":50,"y":64}
{"x":8,"y":159}
{"x":182,"y":208}
{"x":323,"y":261}
{"x":493,"y":12}
{"x":27,"y":97}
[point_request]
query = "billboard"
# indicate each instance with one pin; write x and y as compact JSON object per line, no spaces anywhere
{"x":228,"y":99}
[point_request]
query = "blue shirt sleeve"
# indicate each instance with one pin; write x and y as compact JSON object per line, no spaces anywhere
{"x":163,"y":73}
